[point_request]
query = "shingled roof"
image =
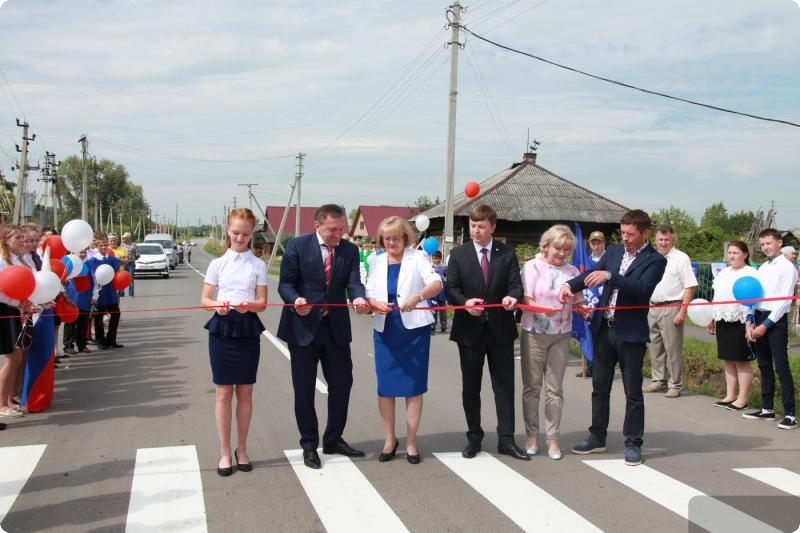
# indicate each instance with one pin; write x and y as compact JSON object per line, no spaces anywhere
{"x":529,"y":192}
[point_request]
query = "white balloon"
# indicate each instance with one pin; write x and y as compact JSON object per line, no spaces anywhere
{"x":47,"y":287}
{"x":422,"y":222}
{"x":104,"y":274}
{"x":77,"y":266}
{"x":76,"y":235}
{"x":702,"y":315}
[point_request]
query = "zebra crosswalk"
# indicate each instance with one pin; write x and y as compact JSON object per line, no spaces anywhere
{"x":166,"y":492}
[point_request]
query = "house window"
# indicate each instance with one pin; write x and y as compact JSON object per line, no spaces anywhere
{"x":361,"y":225}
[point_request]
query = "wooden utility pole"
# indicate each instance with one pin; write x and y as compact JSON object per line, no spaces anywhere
{"x":23,"y":171}
{"x":84,"y":150}
{"x":454,"y":21}
{"x":297,"y":181}
{"x":249,"y":191}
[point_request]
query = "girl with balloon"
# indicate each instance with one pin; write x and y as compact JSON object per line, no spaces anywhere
{"x":729,"y":326}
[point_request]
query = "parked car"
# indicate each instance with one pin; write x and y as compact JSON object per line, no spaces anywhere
{"x":165,"y":240}
{"x":152,"y":260}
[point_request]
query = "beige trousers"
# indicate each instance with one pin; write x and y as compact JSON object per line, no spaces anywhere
{"x":544,"y":361}
{"x":666,"y":346}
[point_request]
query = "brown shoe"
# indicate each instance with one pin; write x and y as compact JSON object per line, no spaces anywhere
{"x":655,"y":387}
{"x":673,"y":393}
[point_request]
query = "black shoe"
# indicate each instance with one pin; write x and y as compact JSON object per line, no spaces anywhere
{"x":414,"y":459}
{"x":514,"y":451}
{"x":115,"y":345}
{"x":244,"y":467}
{"x":388,"y":456}
{"x":471,"y":450}
{"x":342,"y":448}
{"x":224,"y":472}
{"x":733,"y":407}
{"x":102,"y":346}
{"x":2,"y":426}
{"x":311,"y":459}
{"x":722,"y":403}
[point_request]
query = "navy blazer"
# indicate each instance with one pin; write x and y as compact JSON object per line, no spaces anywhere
{"x":465,"y":281}
{"x":302,"y":275}
{"x":635,"y":288}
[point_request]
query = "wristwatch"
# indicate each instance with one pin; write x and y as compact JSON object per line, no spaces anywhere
{"x":421,"y":299}
{"x":608,"y":275}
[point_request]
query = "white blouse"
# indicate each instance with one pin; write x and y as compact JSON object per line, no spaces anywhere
{"x":236,"y":276}
{"x":723,"y":292}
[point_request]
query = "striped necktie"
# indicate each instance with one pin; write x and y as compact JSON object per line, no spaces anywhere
{"x":328,"y":263}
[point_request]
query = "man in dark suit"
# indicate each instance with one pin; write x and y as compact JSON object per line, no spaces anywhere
{"x":630,"y":272}
{"x":485,"y":271}
{"x":317,"y":269}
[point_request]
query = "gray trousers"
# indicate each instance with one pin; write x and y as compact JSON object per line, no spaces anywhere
{"x":544,"y":362}
{"x":666,"y":346}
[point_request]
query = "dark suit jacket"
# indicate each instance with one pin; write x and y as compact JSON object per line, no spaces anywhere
{"x":302,"y":275}
{"x":465,"y":281}
{"x":635,"y":288}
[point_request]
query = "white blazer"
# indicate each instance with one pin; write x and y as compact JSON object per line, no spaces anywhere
{"x":416,"y":271}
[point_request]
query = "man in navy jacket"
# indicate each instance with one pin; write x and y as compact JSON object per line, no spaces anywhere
{"x":630,"y":271}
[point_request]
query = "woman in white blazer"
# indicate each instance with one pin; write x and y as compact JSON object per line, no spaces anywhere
{"x":400,"y":281}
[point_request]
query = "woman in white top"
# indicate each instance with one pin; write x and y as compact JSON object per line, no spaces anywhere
{"x":235,"y":289}
{"x":729,"y":326}
{"x":399,"y":281}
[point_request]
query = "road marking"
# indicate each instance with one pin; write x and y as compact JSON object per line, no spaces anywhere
{"x":321,"y":387}
{"x":707,"y":512}
{"x":167,"y":492}
{"x":530,"y":507}
{"x":16,"y":466}
{"x":343,"y":498}
{"x":780,"y":478}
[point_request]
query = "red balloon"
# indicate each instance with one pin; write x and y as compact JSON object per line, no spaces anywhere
{"x":17,"y":282}
{"x":471,"y":189}
{"x":57,"y":248}
{"x":59,"y":269}
{"x":66,"y":310}
{"x":122,"y":278}
{"x":82,"y":283}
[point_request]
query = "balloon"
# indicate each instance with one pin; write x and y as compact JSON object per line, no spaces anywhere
{"x":82,"y":283}
{"x":104,"y":274}
{"x":422,"y":222}
{"x":702,"y":315}
{"x":66,"y":310}
{"x":84,"y":271}
{"x":59,"y":269}
{"x":430,"y":245}
{"x":122,"y":278}
{"x":17,"y":282}
{"x":57,"y":250}
{"x":48,"y":285}
{"x":748,"y":288}
{"x":74,"y":265}
{"x":76,"y":235}
{"x":471,"y":189}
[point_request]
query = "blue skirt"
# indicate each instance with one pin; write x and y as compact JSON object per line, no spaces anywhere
{"x":234,"y":347}
{"x":401,"y":358}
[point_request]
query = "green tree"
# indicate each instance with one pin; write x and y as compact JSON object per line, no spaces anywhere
{"x":424,"y":203}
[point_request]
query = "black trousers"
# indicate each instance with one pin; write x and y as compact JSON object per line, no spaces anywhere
{"x":337,"y":367}
{"x":501,"y":369}
{"x":75,"y":332}
{"x":608,"y":351}
{"x":771,"y":348}
{"x":107,"y":338}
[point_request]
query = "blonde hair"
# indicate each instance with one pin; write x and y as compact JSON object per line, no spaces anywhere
{"x":395,"y":223}
{"x":558,"y":235}
{"x":9,"y":231}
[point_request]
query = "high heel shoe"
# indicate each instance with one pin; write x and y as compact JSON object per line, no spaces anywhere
{"x":244,"y":467}
{"x":224,"y":472}
{"x":384,"y":456}
{"x":414,"y":459}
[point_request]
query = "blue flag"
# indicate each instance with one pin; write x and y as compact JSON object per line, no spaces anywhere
{"x":580,"y":328}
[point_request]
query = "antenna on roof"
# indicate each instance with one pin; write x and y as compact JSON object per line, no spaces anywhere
{"x":532,"y":147}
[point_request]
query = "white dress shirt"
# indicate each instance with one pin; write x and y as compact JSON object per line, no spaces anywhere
{"x":236,"y":276}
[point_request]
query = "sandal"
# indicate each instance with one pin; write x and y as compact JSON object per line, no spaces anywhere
{"x":10,"y":413}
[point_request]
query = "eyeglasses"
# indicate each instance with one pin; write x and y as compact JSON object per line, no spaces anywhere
{"x":393,"y":238}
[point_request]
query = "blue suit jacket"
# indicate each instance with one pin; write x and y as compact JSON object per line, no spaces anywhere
{"x":635,"y":288}
{"x":302,"y":275}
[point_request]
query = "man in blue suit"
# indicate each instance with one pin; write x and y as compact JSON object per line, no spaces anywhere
{"x":318,"y":269}
{"x":630,"y":271}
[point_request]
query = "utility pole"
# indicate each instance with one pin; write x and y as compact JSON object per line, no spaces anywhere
{"x":96,"y":187}
{"x":176,"y":221}
{"x":50,"y":178}
{"x":23,"y":171}
{"x":454,"y":21}
{"x":297,"y":181}
{"x":249,"y":191}
{"x":84,"y":150}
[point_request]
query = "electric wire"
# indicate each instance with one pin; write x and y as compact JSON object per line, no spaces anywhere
{"x":487,"y":17}
{"x":491,"y":108}
{"x":11,"y":90}
{"x":627,"y":85}
{"x":157,"y":155}
{"x":515,"y":17}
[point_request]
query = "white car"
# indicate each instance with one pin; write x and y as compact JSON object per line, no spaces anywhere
{"x":152,"y":260}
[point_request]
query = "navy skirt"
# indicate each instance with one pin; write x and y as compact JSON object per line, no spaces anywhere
{"x":234,"y":347}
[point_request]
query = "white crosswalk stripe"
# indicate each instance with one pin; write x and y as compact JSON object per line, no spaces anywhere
{"x":167,"y":493}
{"x":16,"y":465}
{"x":343,"y":498}
{"x":707,"y":512}
{"x":780,"y":478}
{"x":530,"y":507}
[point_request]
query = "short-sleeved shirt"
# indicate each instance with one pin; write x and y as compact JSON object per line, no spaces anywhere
{"x":678,"y":276}
{"x":236,"y":276}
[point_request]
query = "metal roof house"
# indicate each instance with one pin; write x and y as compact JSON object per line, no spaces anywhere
{"x":529,"y":199}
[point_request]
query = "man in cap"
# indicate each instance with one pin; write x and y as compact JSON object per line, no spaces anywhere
{"x":132,"y":252}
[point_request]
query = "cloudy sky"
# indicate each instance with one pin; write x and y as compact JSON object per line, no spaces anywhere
{"x":197,"y":97}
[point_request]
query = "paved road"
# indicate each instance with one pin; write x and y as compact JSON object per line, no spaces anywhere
{"x":130,"y":443}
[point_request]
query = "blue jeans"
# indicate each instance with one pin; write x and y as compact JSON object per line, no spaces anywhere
{"x":131,"y":268}
{"x":630,"y":356}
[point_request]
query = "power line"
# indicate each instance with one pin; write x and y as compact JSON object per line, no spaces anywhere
{"x":11,"y":90}
{"x":629,"y":86}
{"x":145,"y":153}
{"x":494,"y":113}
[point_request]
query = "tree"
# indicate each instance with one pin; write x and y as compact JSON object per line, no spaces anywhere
{"x":424,"y":203}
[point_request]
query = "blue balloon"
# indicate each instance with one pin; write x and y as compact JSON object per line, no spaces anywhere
{"x":68,"y":262}
{"x":430,"y":245}
{"x":748,"y":288}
